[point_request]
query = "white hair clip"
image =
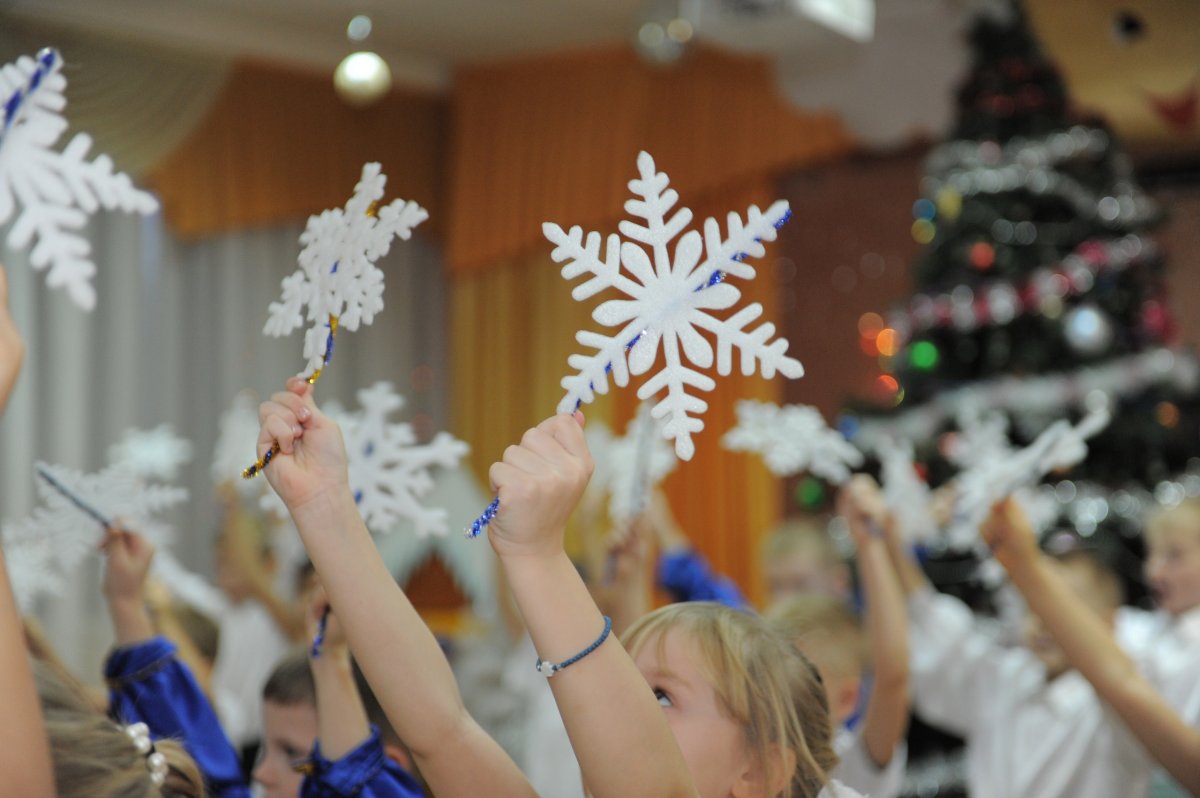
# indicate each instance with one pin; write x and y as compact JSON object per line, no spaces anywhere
{"x":139,"y":733}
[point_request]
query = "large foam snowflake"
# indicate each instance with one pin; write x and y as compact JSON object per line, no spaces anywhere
{"x":237,"y":433}
{"x":337,"y":275}
{"x":672,"y":296}
{"x":791,"y":439}
{"x":389,"y":471}
{"x":629,"y":467}
{"x":151,"y":454}
{"x":1061,"y":445}
{"x":57,"y":190}
{"x":46,"y":547}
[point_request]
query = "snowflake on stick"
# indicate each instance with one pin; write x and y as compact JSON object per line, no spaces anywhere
{"x":237,"y":434}
{"x":57,"y":190}
{"x":792,"y":439}
{"x":47,"y":546}
{"x":338,"y":284}
{"x":628,"y":468}
{"x":905,"y":493}
{"x":1062,"y":445}
{"x":389,"y":471}
{"x":671,"y":299}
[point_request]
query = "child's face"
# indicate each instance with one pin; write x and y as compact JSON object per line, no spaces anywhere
{"x":713,"y":744}
{"x":1173,"y":566}
{"x":288,"y":736}
{"x":800,"y":573}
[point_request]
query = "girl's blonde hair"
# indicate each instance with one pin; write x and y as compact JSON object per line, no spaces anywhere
{"x":762,"y":682}
{"x":94,"y":757}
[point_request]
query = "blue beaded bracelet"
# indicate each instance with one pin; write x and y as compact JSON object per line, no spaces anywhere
{"x":548,"y":668}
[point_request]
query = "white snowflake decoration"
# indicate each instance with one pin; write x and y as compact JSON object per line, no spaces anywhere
{"x":792,"y":439}
{"x":981,"y":436}
{"x":236,"y":444}
{"x":337,"y":275}
{"x":628,"y":468}
{"x":57,"y":191}
{"x":46,"y":547}
{"x":988,"y":481}
{"x":671,"y":297}
{"x":905,"y":493}
{"x":389,"y":471}
{"x":151,"y":454}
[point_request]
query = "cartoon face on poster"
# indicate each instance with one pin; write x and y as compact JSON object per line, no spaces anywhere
{"x":1137,"y":64}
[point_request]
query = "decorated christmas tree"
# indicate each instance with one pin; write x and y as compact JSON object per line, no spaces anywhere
{"x":1039,"y":297}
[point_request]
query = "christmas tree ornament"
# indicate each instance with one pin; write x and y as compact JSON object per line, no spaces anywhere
{"x":672,"y":296}
{"x":1087,"y":329}
{"x":337,"y":284}
{"x":57,"y":190}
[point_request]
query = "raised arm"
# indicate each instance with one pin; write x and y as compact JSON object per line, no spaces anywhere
{"x":1091,"y":648}
{"x":24,"y":752}
{"x":886,"y":718}
{"x":620,"y":735}
{"x":342,"y":723}
{"x":396,"y":651}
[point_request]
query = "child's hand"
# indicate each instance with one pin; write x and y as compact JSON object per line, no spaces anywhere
{"x":1009,"y":535}
{"x":127,"y":566}
{"x":861,"y":503}
{"x":12,"y":348}
{"x":539,"y":483}
{"x":333,"y":644}
{"x":312,"y":458}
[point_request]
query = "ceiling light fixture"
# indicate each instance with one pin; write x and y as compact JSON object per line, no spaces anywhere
{"x":363,"y":77}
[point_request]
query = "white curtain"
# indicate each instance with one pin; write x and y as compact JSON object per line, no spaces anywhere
{"x":176,"y":334}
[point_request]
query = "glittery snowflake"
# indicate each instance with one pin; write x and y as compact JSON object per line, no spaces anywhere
{"x":33,"y":558}
{"x":629,"y":467}
{"x":151,"y":454}
{"x":672,"y":296}
{"x":389,"y":471}
{"x":989,"y":480}
{"x":792,"y":439}
{"x":236,"y":437}
{"x":57,"y":190}
{"x":337,"y":275}
{"x":906,"y":494}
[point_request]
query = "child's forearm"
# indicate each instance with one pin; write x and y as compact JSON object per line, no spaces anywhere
{"x":625,"y":747}
{"x":886,"y":717}
{"x":909,"y":575}
{"x":342,"y":723}
{"x":400,"y":657}
{"x":131,"y":620}
{"x":24,"y":752}
{"x":1091,"y":648}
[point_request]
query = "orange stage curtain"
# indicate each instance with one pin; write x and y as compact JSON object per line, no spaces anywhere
{"x":557,"y":140}
{"x":279,"y":145}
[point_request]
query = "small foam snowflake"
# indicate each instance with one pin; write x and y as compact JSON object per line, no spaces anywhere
{"x":151,"y":454}
{"x":33,"y":564}
{"x":57,"y":191}
{"x":992,"y":479}
{"x":981,"y":436}
{"x":628,"y":468}
{"x":672,"y":296}
{"x":792,"y":439}
{"x":388,"y":470}
{"x":337,"y":275}
{"x":906,"y":494}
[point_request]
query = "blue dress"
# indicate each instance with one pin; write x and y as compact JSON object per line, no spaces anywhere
{"x":147,"y":683}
